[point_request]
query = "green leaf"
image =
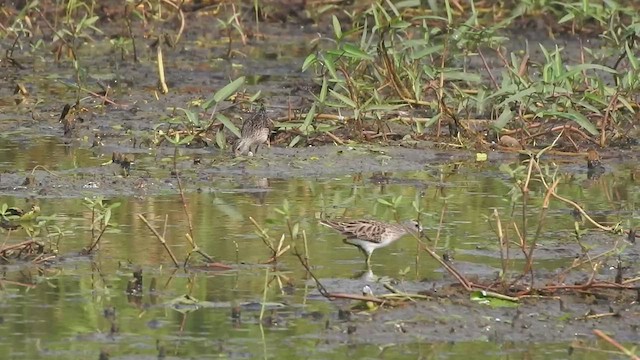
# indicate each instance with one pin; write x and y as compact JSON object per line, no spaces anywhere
{"x":221,"y":140}
{"x":385,"y":202}
{"x":228,"y":124}
{"x":631,"y":57}
{"x":486,"y":299}
{"x":518,"y":96}
{"x":107,"y":216}
{"x":583,"y":67}
{"x":503,"y":119}
{"x":323,"y":91}
{"x":225,"y":92}
{"x":572,"y":115}
{"x":328,"y":62}
{"x":437,"y":49}
{"x":191,"y":116}
{"x":461,"y":75}
{"x":356,"y":53}
{"x":336,"y":27}
{"x":310,"y":60}
{"x":294,"y":141}
{"x":306,"y":126}
{"x":566,"y":18}
{"x":343,"y":98}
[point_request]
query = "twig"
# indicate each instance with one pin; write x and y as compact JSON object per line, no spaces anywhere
{"x":321,"y":289}
{"x":615,"y":344}
{"x":161,"y":239}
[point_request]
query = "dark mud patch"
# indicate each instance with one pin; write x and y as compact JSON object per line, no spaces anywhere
{"x":457,"y":319}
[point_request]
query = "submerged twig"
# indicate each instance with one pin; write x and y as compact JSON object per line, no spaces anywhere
{"x":161,"y":239}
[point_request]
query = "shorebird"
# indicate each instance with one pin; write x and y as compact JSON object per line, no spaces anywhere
{"x":368,"y":235}
{"x":255,"y":131}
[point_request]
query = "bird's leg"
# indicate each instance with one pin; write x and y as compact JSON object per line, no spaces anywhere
{"x":257,"y":146}
{"x":369,"y":261}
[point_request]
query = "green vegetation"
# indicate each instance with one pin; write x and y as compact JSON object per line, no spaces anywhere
{"x":458,"y":65}
{"x":404,"y":57}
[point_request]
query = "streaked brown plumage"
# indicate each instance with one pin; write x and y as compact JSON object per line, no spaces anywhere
{"x":255,"y":131}
{"x":369,"y":235}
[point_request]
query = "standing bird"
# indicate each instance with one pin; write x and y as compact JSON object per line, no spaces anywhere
{"x":368,"y":235}
{"x":255,"y":131}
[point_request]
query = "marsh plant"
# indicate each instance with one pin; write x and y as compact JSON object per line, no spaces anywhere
{"x":398,"y":63}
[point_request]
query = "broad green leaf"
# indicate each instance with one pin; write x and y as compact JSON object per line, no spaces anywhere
{"x":329,"y":64}
{"x":631,"y":57}
{"x":384,"y":202}
{"x":407,"y":4}
{"x":575,"y":116}
{"x":228,"y":90}
{"x":311,"y":59}
{"x":437,"y":49}
{"x":433,"y":120}
{"x":518,"y":96}
{"x":221,"y":140}
{"x":305,"y":127}
{"x":504,"y":118}
{"x":323,"y":90}
{"x":225,"y":92}
{"x":343,"y":98}
{"x":583,"y":67}
{"x":564,"y":19}
{"x":191,"y":116}
{"x":356,"y":53}
{"x":228,"y":124}
{"x":294,"y":141}
{"x":337,"y":29}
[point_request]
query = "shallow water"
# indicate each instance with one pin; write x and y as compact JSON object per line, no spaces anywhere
{"x":58,"y":311}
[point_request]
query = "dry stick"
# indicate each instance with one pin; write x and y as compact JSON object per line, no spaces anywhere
{"x":440,"y":92}
{"x":263,"y":235}
{"x":160,"y":238}
{"x":605,"y":120}
{"x":95,"y":243}
{"x":185,"y":207}
{"x":577,"y":207}
{"x":17,"y":246}
{"x":235,"y":19}
{"x":164,"y":226}
{"x":543,"y":213}
{"x":632,"y":280}
{"x":561,"y":127}
{"x":486,"y":66}
{"x":161,"y":80}
{"x":455,"y":273}
{"x":130,"y":30}
{"x":181,"y":18}
{"x":264,"y":293}
{"x":306,"y":247}
{"x":196,"y":248}
{"x":560,"y":276}
{"x":591,"y":285}
{"x":334,"y":138}
{"x":504,"y":253}
{"x":440,"y":223}
{"x":10,"y":282}
{"x":2,"y":247}
{"x":321,"y":289}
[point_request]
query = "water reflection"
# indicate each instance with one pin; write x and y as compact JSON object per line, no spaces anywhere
{"x":120,"y":297}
